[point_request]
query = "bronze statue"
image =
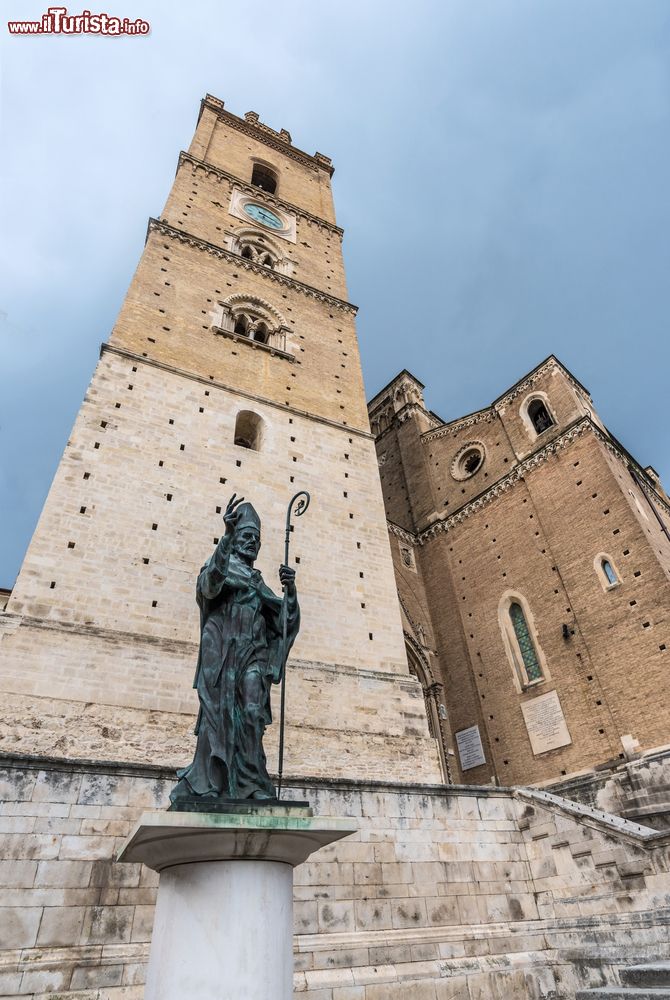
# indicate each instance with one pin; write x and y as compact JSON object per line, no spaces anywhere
{"x":246,"y":633}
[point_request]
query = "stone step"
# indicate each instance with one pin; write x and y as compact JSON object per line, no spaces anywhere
{"x":649,"y":974}
{"x":624,"y":993}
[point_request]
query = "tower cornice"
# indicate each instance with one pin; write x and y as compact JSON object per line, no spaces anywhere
{"x":288,"y":206}
{"x":165,"y":229}
{"x":281,"y":141}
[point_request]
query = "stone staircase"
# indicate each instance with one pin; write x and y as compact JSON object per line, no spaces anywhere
{"x":638,"y":982}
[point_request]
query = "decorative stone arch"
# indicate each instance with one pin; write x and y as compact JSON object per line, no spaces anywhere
{"x":258,"y":244}
{"x":251,"y":315}
{"x":418,"y":661}
{"x":522,"y":681}
{"x":601,"y":571}
{"x":433,"y":696}
{"x":537,"y":396}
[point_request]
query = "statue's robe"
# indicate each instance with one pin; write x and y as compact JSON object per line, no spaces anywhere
{"x":241,"y":656}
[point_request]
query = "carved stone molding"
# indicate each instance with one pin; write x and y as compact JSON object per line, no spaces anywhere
{"x":551,"y":364}
{"x":458,"y":425}
{"x":406,"y":536}
{"x":581,"y":426}
{"x":165,"y":229}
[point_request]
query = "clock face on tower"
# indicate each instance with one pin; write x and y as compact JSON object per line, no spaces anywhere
{"x":263,"y":215}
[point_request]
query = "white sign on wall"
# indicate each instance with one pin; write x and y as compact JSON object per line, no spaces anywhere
{"x":470,"y":749}
{"x":545,"y":722}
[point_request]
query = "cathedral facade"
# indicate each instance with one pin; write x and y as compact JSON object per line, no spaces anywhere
{"x":529,"y":560}
{"x":532,"y":554}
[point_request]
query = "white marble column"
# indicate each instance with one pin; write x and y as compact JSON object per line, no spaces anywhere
{"x":223,"y":928}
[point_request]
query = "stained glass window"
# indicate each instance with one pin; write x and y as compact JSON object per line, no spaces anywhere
{"x":609,"y":572}
{"x":525,"y":642}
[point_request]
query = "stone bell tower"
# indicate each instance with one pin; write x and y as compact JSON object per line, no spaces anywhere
{"x":233,"y":367}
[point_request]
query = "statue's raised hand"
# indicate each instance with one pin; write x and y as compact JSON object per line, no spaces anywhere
{"x":230,"y":516}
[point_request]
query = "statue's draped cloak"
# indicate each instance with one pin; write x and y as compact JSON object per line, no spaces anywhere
{"x":241,"y":655}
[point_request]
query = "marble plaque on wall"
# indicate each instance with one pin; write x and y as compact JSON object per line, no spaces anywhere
{"x":545,"y":723}
{"x":470,"y":749}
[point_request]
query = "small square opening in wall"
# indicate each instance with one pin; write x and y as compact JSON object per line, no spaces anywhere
{"x":222,"y":480}
{"x":362,"y":604}
{"x":82,"y":510}
{"x":632,"y":603}
{"x":154,"y":527}
{"x":238,"y":463}
{"x":96,"y":445}
{"x":70,"y":545}
{"x":218,"y":510}
{"x":87,"y":475}
{"x":201,"y":409}
{"x":216,"y":541}
{"x":154,"y":604}
{"x":103,"y":423}
{"x":170,"y":421}
{"x":168,"y":497}
{"x":160,"y":464}
{"x":182,"y":447}
{"x":361,"y":575}
{"x":117,"y":406}
{"x":370,"y":635}
{"x":646,"y":624}
{"x":292,"y":479}
{"x":297,"y":559}
{"x":637,"y":573}
{"x":145,"y":560}
{"x":662,"y":647}
{"x":53,"y":584}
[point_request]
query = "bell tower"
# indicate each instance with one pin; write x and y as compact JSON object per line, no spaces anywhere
{"x":233,"y":367}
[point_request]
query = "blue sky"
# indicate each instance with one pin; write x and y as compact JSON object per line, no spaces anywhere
{"x":501,"y":173}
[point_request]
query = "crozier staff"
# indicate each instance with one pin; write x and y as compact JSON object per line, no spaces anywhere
{"x":242,"y":653}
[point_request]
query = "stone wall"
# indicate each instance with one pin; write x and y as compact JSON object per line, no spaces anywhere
{"x":638,"y":790}
{"x":472,"y":893}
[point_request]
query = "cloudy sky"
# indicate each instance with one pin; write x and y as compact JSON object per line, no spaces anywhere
{"x":501,"y":173}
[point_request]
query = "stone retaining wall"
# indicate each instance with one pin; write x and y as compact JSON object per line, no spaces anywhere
{"x":473,"y":893}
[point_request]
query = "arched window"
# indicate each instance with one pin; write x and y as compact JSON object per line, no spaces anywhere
{"x":241,"y":325}
{"x":249,"y":430}
{"x":521,"y":644}
{"x":606,"y":571}
{"x":260,"y":333}
{"x":264,"y":178}
{"x":248,"y":253}
{"x":540,"y":416}
{"x":524,"y":640}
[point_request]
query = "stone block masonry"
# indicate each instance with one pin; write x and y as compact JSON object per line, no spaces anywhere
{"x":103,"y":615}
{"x":469,"y":893}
